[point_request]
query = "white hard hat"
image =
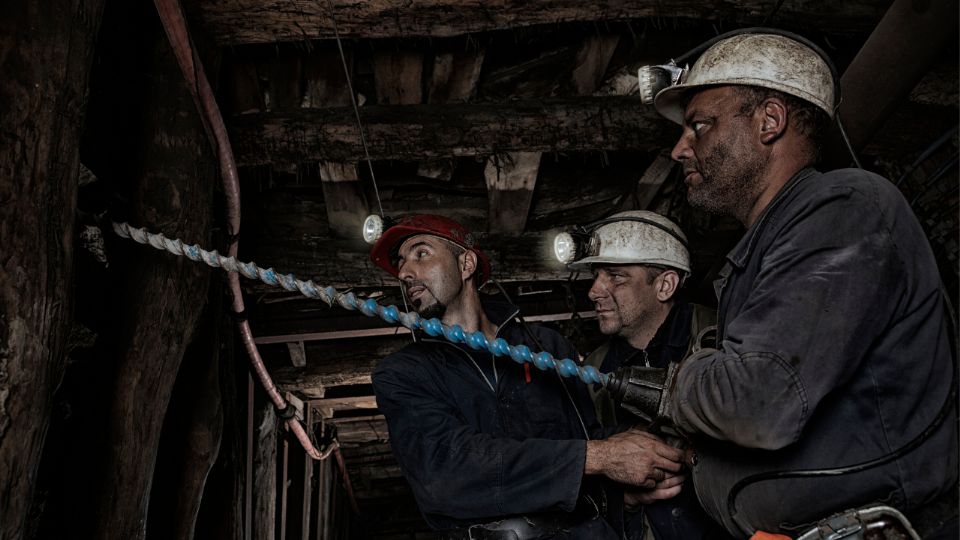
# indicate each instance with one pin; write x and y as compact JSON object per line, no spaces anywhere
{"x":756,"y":59}
{"x":636,"y":237}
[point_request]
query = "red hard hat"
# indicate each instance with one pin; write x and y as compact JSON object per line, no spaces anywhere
{"x":384,"y":252}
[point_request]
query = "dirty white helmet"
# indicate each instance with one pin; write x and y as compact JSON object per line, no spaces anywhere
{"x":755,"y":59}
{"x":636,"y":237}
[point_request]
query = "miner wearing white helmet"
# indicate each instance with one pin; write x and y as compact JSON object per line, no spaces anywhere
{"x":639,"y":260}
{"x":833,"y":352}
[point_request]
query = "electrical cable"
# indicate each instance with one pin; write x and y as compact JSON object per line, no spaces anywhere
{"x":356,"y":108}
{"x":846,"y":141}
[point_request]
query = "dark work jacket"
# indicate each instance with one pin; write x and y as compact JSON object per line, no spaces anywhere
{"x":833,"y":351}
{"x":681,"y":517}
{"x":473,"y":455}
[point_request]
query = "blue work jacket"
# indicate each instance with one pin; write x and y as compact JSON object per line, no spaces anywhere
{"x":834,"y":350}
{"x":476,"y":445}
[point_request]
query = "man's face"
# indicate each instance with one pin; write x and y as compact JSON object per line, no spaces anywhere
{"x":624,"y":298}
{"x":721,"y":159}
{"x":430,"y":274}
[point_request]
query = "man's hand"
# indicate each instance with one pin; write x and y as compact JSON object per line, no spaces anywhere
{"x":667,"y":489}
{"x":633,"y":457}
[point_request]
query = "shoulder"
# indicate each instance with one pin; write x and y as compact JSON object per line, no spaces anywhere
{"x":412,"y":358}
{"x":552,"y":341}
{"x":847,"y":199}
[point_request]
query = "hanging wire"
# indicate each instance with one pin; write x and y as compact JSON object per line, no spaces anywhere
{"x":846,"y":141}
{"x":356,"y":108}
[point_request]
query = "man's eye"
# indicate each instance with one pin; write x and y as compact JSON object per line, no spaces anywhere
{"x":698,"y":127}
{"x":421,"y":253}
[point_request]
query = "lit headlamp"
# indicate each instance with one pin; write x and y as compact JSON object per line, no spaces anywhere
{"x":372,"y":228}
{"x":653,"y":79}
{"x":571,"y":245}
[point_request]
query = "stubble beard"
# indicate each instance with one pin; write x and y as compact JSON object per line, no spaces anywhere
{"x":436,"y":310}
{"x":728,"y":183}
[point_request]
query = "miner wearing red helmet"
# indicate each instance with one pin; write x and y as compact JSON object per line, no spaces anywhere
{"x":491,"y":449}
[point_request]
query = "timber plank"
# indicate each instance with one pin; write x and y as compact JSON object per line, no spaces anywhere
{"x":234,"y":22}
{"x":415,"y":132}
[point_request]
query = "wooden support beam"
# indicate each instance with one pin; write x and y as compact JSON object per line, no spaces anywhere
{"x":341,"y":263}
{"x":281,"y":82}
{"x":592,"y":61}
{"x":397,"y":76}
{"x":652,"y":179}
{"x":307,"y":482}
{"x":418,"y":131}
{"x":242,"y":92}
{"x":453,"y":80}
{"x":233,"y":22}
{"x":265,"y":472}
{"x":177,"y":165}
{"x":44,"y":74}
{"x":328,"y":368}
{"x":511,"y":177}
{"x":327,"y":407}
{"x":510,"y":181}
{"x":343,"y":196}
{"x":297,"y":356}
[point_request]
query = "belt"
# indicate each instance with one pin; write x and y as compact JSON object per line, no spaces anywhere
{"x":528,"y":527}
{"x":513,"y":528}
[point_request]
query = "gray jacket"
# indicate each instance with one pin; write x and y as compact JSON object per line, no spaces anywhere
{"x":834,"y":350}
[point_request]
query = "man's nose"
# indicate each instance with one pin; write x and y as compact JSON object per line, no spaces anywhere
{"x":405,"y":272}
{"x":597,"y":290}
{"x":682,"y":149}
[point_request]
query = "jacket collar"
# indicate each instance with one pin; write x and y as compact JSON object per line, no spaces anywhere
{"x":741,"y":253}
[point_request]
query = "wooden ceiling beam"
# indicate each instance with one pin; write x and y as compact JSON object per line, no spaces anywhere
{"x":510,"y":181}
{"x":512,"y":177}
{"x":343,"y":196}
{"x":423,"y":131}
{"x":453,"y":80}
{"x":235,"y":22}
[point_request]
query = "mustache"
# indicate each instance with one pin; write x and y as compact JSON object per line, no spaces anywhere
{"x":407,"y":283}
{"x":691,"y":168}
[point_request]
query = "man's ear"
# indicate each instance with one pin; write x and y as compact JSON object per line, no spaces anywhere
{"x":774,"y":118}
{"x":468,"y":264}
{"x":667,"y":284}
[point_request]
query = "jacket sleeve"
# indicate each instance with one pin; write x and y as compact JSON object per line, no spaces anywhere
{"x":804,"y":329}
{"x":456,"y":471}
{"x":561,"y":348}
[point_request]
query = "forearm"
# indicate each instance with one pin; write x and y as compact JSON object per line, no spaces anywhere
{"x":755,"y":400}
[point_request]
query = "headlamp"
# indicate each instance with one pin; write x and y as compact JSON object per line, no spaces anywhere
{"x":653,"y":79}
{"x":564,"y":247}
{"x":372,"y":228}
